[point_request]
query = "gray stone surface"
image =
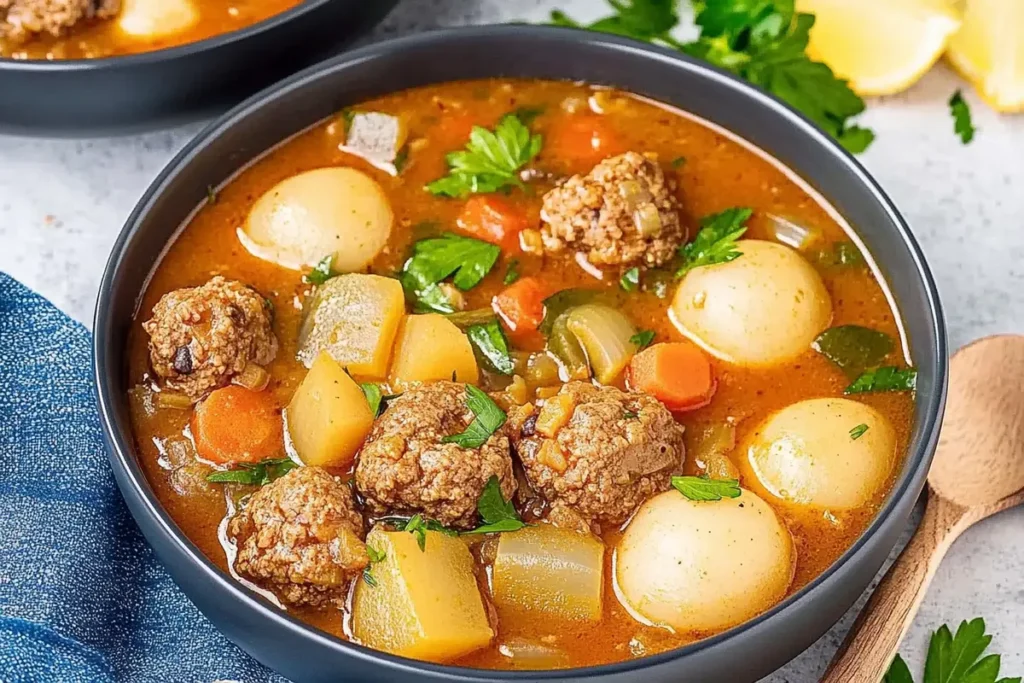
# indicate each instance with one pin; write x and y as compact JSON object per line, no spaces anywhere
{"x":63,"y":202}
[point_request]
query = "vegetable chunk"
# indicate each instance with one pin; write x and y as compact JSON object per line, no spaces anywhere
{"x":235,"y":424}
{"x":328,"y":417}
{"x":554,"y":572}
{"x":377,"y":137}
{"x":426,"y":603}
{"x":430,"y":347}
{"x":355,"y":319}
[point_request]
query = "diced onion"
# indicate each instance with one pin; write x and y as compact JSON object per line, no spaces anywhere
{"x":564,"y":345}
{"x":555,"y":414}
{"x":542,"y":370}
{"x":533,"y":655}
{"x":253,"y":378}
{"x":647,"y":220}
{"x":173,"y":400}
{"x":605,"y":335}
{"x":792,"y":235}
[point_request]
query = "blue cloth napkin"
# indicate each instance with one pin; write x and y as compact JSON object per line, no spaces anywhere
{"x":82,"y":597}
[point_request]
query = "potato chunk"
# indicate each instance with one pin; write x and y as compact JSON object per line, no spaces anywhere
{"x":426,"y":604}
{"x":430,"y":347}
{"x":548,"y":570}
{"x":377,"y":137}
{"x":355,"y":319}
{"x":328,"y":417}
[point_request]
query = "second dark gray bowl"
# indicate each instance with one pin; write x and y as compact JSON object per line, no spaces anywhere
{"x":301,"y":653}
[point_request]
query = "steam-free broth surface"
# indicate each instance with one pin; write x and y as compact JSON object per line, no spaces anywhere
{"x":710,"y":170}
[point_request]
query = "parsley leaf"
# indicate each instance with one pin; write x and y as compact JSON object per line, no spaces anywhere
{"x":527,"y":114}
{"x":375,"y":557}
{"x":716,"y":241}
{"x":858,"y":431}
{"x":678,"y":162}
{"x":854,"y":349}
{"x":642,"y":339}
{"x":706,"y":488}
{"x":322,"y":271}
{"x":373,"y":397}
{"x":497,"y":513}
{"x":436,"y":258}
{"x":955,"y":658}
{"x":418,"y":526}
{"x":962,"y":124}
{"x":490,"y":341}
{"x":254,"y":474}
{"x":490,"y":161}
{"x":630,"y":280}
{"x":511,"y":272}
{"x":488,"y":419}
{"x":886,"y":378}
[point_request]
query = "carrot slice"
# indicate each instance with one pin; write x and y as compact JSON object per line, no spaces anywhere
{"x":494,"y":219}
{"x":521,"y":305}
{"x":582,"y":140}
{"x":678,"y":374}
{"x":235,"y":424}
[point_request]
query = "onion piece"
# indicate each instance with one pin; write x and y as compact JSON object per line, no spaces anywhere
{"x":605,"y":335}
{"x":173,"y":400}
{"x":793,"y":235}
{"x":253,"y":378}
{"x":564,"y":345}
{"x":533,"y":655}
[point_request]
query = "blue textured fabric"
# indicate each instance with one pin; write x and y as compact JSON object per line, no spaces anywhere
{"x":82,"y":597}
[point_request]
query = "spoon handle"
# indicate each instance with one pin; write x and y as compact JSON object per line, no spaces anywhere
{"x":872,"y":642}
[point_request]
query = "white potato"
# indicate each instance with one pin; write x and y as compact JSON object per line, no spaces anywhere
{"x":703,"y":566}
{"x":328,"y":211}
{"x":154,"y":19}
{"x":806,"y":453}
{"x":761,"y":309}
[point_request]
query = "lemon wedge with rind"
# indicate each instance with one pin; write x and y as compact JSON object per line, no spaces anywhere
{"x":989,"y":51}
{"x":880,"y":46}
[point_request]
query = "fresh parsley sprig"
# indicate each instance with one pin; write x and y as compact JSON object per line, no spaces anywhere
{"x":716,"y":241}
{"x":490,"y":342}
{"x":630,"y":280}
{"x":887,"y":378}
{"x":466,"y":259}
{"x":254,"y":474}
{"x":322,"y":271}
{"x":642,"y":339}
{"x":956,"y":658}
{"x":854,"y":349}
{"x":497,"y":513}
{"x":488,"y":418}
{"x":418,"y":526}
{"x":490,"y":161}
{"x":704,"y":488}
{"x":961,"y":112}
{"x":375,"y":557}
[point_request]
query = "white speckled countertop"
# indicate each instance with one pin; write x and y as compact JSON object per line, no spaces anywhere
{"x":63,"y":202}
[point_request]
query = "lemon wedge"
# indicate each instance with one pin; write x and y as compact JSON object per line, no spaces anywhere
{"x":880,"y":46}
{"x":989,"y":51}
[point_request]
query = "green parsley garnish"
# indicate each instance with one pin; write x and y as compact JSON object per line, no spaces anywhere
{"x":373,"y":396}
{"x":854,"y":349}
{"x":497,"y":513}
{"x":491,"y":160}
{"x":858,"y":431}
{"x":437,"y":258}
{"x":630,"y":415}
{"x":488,"y":419}
{"x":630,"y":280}
{"x":763,"y":41}
{"x":254,"y":473}
{"x":511,"y":272}
{"x":706,"y":488}
{"x":678,"y":162}
{"x":322,"y":271}
{"x":375,"y":557}
{"x":642,"y":339}
{"x":418,"y":526}
{"x":716,"y":241}
{"x":527,"y":114}
{"x":887,"y":378}
{"x":490,"y":342}
{"x":962,"y":124}
{"x":955,"y":658}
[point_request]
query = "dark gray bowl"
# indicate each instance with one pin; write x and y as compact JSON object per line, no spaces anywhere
{"x":303,"y":654}
{"x":118,"y":95}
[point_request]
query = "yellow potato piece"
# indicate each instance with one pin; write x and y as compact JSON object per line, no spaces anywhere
{"x":426,"y":604}
{"x":354,"y":318}
{"x":328,"y":417}
{"x":156,"y":18}
{"x":430,"y":347}
{"x":553,"y":572}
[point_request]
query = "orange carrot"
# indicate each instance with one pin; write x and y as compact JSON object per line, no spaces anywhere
{"x":582,"y":140}
{"x":493,"y":219}
{"x":521,"y":305}
{"x":678,"y":374}
{"x":234,"y":424}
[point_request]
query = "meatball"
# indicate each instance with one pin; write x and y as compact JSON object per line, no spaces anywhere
{"x":201,"y":337}
{"x":20,"y":20}
{"x":301,"y":537}
{"x":599,"y":451}
{"x":404,"y":467}
{"x":622,"y":213}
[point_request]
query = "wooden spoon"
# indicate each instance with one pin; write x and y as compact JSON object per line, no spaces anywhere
{"x":978,"y":471}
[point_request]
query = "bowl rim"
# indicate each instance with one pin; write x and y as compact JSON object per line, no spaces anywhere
{"x":140,"y":59}
{"x":121,"y":448}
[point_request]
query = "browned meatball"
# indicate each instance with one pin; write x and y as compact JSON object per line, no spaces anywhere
{"x":301,"y":537}
{"x":23,"y":19}
{"x":404,"y":467}
{"x":621,"y":213}
{"x":599,"y":451}
{"x":201,"y":337}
